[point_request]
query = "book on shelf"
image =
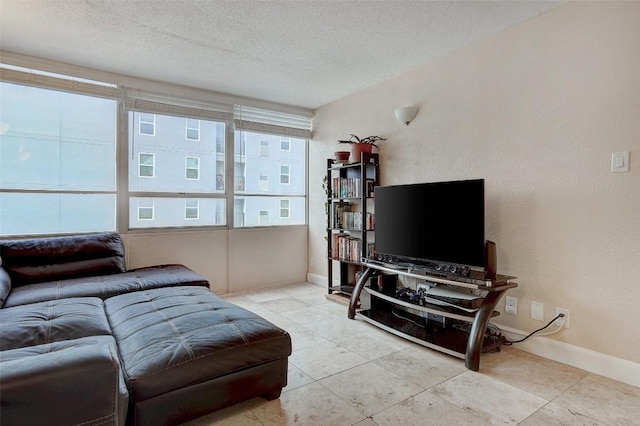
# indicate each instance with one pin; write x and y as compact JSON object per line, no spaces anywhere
{"x":344,"y":218}
{"x":370,"y":183}
{"x":338,"y":214}
{"x":346,"y":247}
{"x":346,"y":187}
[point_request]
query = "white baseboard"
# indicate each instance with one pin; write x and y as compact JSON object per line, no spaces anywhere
{"x":317,"y":279}
{"x":614,"y":368}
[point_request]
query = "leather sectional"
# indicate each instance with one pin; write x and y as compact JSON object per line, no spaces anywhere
{"x":84,"y":341}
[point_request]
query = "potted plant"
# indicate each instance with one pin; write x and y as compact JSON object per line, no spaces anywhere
{"x":360,"y":145}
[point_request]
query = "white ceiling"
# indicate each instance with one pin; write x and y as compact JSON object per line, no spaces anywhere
{"x":301,"y":53}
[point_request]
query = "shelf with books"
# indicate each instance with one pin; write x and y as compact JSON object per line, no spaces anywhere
{"x":350,"y":219}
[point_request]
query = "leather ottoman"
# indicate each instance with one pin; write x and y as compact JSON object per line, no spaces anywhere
{"x":185,"y":352}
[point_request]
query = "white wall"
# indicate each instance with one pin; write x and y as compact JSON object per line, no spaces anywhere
{"x":232,"y":261}
{"x":536,"y":111}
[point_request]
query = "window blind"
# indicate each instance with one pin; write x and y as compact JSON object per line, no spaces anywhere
{"x":215,"y":114}
{"x":272,"y":122}
{"x":58,"y":82}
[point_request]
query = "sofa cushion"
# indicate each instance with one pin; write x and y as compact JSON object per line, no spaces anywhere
{"x":36,"y":260}
{"x":63,"y":383}
{"x":176,"y":337}
{"x":53,"y":321}
{"x":104,"y":286}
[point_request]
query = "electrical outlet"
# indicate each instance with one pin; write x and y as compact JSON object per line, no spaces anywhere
{"x":567,"y":322}
{"x":511,"y":305}
{"x":537,"y":311}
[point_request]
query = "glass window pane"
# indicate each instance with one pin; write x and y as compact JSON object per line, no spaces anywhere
{"x":55,"y":213}
{"x":177,"y":212}
{"x":193,"y":129}
{"x":169,"y":148}
{"x":259,"y":171}
{"x":147,"y":124}
{"x":56,"y":140}
{"x":247,"y":211}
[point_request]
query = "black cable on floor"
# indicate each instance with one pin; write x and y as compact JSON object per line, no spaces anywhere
{"x":509,"y":342}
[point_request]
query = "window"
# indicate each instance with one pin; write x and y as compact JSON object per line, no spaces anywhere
{"x":264,"y":183}
{"x":192,"y":169}
{"x":191,"y":209}
{"x":193,"y":129}
{"x":267,"y":203}
{"x":284,"y":175}
{"x":239,"y":176}
{"x":285,"y":144}
{"x":146,"y":164}
{"x":238,"y":213}
{"x":57,"y":161}
{"x":187,"y":190}
{"x":147,"y":124}
{"x":284,"y":209}
{"x":145,"y":209}
{"x":264,"y":218}
{"x":220,"y":138}
{"x":264,"y":148}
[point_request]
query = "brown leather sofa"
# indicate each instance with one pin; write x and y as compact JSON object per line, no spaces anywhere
{"x":84,"y":341}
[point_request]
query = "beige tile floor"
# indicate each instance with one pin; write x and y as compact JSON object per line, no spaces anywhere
{"x":348,"y":372}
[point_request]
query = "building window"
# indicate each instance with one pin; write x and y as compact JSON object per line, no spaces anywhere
{"x":264,"y":148}
{"x":191,"y":209}
{"x":220,"y":138}
{"x":285,"y":212}
{"x":193,"y":129}
{"x":264,"y":183}
{"x":192,"y":168}
{"x":284,"y":175}
{"x":147,"y":124}
{"x":145,"y":209}
{"x":285,"y":144}
{"x":263,"y":218}
{"x":146,"y":165}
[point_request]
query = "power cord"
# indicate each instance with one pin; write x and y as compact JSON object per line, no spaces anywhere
{"x":510,"y":342}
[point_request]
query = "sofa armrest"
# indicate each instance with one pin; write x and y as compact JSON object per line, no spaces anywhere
{"x":76,"y":385}
{"x":5,"y":285}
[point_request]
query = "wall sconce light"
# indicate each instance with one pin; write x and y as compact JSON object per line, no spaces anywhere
{"x":406,"y":114}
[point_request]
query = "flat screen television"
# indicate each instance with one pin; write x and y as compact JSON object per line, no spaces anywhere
{"x":428,"y":224}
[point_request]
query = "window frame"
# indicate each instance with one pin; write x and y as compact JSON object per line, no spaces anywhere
{"x":153,"y":166}
{"x":187,"y":207}
{"x":152,"y":207}
{"x":287,"y":208}
{"x":187,"y":128}
{"x":263,"y":184}
{"x":287,"y":174}
{"x":187,"y":168}
{"x":264,"y":148}
{"x":287,"y":140}
{"x":152,"y":124}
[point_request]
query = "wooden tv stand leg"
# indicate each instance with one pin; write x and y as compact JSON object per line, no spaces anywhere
{"x":355,"y":296}
{"x":478,"y":327}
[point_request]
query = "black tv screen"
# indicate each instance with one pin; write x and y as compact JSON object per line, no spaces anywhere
{"x":431,"y":222}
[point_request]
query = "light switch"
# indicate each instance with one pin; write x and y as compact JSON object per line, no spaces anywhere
{"x":620,"y":161}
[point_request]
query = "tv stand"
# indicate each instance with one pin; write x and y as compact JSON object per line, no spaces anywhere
{"x":456,"y":340}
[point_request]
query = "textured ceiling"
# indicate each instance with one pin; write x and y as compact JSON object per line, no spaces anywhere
{"x":301,"y":53}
